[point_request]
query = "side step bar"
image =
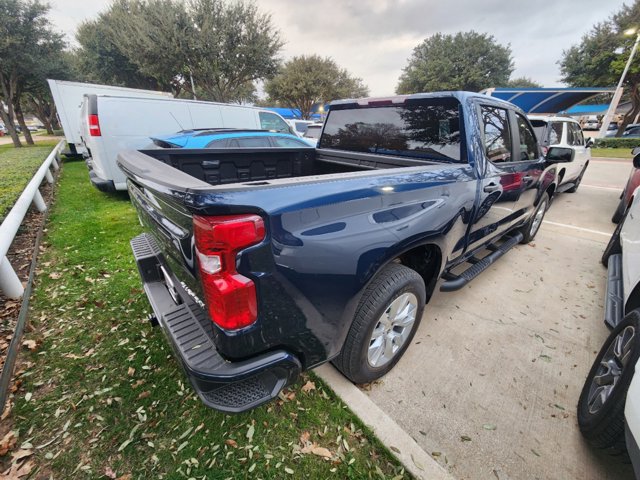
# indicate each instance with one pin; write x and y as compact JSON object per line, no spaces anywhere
{"x":456,"y":282}
{"x":614,"y":299}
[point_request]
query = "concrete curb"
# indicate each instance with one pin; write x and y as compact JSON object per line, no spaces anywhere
{"x":416,"y":461}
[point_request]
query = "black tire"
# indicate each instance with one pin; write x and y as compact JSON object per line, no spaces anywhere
{"x":529,"y":230}
{"x":389,"y":284}
{"x":602,"y":422}
{"x":613,"y":247}
{"x":576,"y":182}
{"x":619,"y":213}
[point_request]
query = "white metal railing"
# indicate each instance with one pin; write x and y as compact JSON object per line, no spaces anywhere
{"x":10,"y":284}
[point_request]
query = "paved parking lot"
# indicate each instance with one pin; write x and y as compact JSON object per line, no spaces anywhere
{"x":491,"y":382}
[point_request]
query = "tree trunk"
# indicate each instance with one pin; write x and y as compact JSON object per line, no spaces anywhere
{"x":8,"y":122}
{"x":7,"y":84}
{"x":20,"y":117}
{"x":635,"y":109}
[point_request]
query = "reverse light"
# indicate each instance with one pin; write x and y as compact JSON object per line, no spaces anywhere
{"x":230,"y":297}
{"x":94,"y":126}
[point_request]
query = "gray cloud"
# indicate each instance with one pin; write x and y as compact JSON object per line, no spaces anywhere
{"x":373,"y":39}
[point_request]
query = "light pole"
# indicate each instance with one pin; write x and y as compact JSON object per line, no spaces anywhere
{"x":618,"y":93}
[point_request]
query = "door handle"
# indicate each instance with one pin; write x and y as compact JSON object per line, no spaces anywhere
{"x":492,"y":187}
{"x":527,"y":178}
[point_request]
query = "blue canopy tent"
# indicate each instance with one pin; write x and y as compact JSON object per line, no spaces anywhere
{"x":545,"y":100}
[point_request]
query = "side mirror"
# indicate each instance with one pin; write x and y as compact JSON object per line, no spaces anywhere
{"x":636,"y":159}
{"x":560,"y":155}
{"x":589,"y":143}
{"x":635,"y":151}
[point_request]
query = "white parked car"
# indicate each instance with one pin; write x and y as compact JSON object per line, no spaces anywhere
{"x":609,"y":405}
{"x":299,"y":127}
{"x":566,"y":133}
{"x":312,"y":135}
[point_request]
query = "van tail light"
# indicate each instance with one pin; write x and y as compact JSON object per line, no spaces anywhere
{"x":230,"y":297}
{"x":94,"y":126}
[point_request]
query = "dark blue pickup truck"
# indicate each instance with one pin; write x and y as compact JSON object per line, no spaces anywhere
{"x":264,"y":262}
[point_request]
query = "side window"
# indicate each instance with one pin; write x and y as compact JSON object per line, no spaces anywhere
{"x":528,"y":143}
{"x":555,"y":133}
{"x":497,"y":134}
{"x":218,"y":144}
{"x":271,"y":121}
{"x":288,"y":142}
{"x":254,"y":142}
{"x":576,"y":138}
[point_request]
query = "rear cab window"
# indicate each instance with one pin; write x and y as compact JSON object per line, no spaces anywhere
{"x":422,"y":129}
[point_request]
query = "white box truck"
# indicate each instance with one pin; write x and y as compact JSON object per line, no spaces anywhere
{"x":68,"y":97}
{"x":111,"y":123}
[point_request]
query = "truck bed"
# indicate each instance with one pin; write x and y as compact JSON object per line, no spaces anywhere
{"x":226,"y":166}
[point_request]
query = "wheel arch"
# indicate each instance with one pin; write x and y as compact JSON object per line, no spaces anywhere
{"x":426,"y":260}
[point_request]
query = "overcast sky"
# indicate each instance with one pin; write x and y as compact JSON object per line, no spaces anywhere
{"x":373,"y":39}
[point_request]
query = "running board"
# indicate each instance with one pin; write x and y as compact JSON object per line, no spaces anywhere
{"x":456,"y":282}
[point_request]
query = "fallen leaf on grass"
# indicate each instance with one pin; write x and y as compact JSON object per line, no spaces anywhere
{"x":250,"y":433}
{"x":307,"y":387}
{"x":131,"y":371}
{"x":304,"y":438}
{"x":126,"y":476}
{"x":20,"y":454}
{"x":30,"y":344}
{"x":17,"y":471}
{"x":109,"y":473}
{"x":144,"y":394}
{"x":7,"y":443}
{"x":317,"y":450}
{"x":231,"y":443}
{"x":55,"y":275}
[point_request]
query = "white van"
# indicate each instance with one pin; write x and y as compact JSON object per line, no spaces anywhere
{"x":110,"y":124}
{"x":68,"y":97}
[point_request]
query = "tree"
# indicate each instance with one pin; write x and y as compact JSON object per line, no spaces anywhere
{"x":594,"y":61}
{"x":213,"y":49}
{"x":464,"y":61}
{"x":233,"y":46}
{"x":26,"y":41}
{"x":521,"y":82}
{"x":306,"y":80}
{"x":99,"y":60}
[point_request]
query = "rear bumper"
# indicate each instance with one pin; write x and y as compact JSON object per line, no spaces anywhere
{"x":230,"y":387}
{"x":100,"y":183}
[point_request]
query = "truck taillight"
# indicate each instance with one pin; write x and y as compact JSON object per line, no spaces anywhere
{"x":230,"y":297}
{"x":94,"y":126}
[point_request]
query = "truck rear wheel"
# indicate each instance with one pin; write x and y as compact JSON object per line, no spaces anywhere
{"x":384,"y":324}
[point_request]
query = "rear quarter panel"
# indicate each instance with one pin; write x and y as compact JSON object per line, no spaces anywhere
{"x":326,"y":238}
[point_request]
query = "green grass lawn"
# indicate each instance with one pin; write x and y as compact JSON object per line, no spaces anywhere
{"x":17,"y":165}
{"x":611,"y":152}
{"x":102,"y":396}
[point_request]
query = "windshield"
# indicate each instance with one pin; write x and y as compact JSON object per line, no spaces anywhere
{"x":424,"y":129}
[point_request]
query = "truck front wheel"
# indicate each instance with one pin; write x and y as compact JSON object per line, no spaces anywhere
{"x":384,"y":324}
{"x":533,"y":225}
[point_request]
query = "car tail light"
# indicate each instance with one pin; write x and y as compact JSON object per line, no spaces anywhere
{"x":230,"y":297}
{"x":94,"y":126}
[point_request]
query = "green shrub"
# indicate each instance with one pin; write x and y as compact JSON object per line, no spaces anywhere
{"x":616,"y":142}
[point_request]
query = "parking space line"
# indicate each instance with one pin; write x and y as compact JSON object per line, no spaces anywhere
{"x":603,"y":187}
{"x":573,"y":227}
